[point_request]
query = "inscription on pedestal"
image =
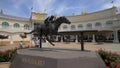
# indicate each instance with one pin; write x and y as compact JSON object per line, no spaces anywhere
{"x":39,"y":62}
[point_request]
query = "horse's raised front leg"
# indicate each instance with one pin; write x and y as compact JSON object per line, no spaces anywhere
{"x":49,"y":40}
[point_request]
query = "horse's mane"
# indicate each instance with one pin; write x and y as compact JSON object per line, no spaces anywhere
{"x":60,"y":18}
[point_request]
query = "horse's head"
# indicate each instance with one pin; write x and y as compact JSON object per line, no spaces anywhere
{"x":65,"y":20}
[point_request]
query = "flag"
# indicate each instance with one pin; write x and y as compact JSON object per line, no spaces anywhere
{"x":45,"y":10}
{"x":1,"y":11}
{"x":112,"y":1}
{"x":31,"y":8}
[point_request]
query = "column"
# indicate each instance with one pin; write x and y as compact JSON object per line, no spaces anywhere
{"x":31,"y":36}
{"x":76,"y":39}
{"x":93,"y":40}
{"x":0,"y":26}
{"x":22,"y":28}
{"x":56,"y":38}
{"x":115,"y":36}
{"x":61,"y":38}
{"x":11,"y":40}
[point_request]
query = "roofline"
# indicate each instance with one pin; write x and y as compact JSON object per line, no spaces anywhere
{"x":92,"y":12}
{"x":5,"y":16}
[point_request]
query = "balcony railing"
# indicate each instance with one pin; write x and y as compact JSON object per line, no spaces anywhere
{"x":13,"y":29}
{"x":104,"y":27}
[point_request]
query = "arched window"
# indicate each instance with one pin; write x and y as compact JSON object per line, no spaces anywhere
{"x":5,"y":24}
{"x":72,"y":26}
{"x":16,"y":25}
{"x":65,"y":27}
{"x":108,"y":23}
{"x":80,"y":26}
{"x":26,"y":26}
{"x":89,"y":25}
{"x":98,"y":24}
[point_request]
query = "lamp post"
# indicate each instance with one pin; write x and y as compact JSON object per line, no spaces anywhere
{"x":82,"y":41}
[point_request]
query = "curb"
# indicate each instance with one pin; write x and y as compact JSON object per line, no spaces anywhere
{"x":4,"y":63}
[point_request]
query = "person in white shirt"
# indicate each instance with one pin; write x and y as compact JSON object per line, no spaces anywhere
{"x":36,"y":41}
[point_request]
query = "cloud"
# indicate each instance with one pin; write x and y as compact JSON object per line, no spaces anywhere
{"x":53,"y":7}
{"x":64,"y":9}
{"x":61,"y":9}
{"x":18,"y":3}
{"x":109,"y":5}
{"x":19,"y":8}
{"x":43,"y":5}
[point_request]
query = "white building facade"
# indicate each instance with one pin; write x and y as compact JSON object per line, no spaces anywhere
{"x":98,"y":26}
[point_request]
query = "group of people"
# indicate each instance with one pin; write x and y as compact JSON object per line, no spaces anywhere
{"x":36,"y":41}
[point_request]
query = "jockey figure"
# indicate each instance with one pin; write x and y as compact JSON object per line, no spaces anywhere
{"x":49,"y":20}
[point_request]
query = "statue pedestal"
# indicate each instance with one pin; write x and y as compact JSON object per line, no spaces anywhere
{"x":56,"y":58}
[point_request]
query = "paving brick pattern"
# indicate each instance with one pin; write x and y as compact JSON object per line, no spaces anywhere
{"x":113,"y":47}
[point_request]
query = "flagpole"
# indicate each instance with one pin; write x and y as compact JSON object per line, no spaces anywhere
{"x":112,"y":2}
{"x":45,"y":10}
{"x":31,"y":23}
{"x":31,"y":15}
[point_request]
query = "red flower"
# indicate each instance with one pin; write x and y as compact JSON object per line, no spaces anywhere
{"x":116,"y":66}
{"x":107,"y":67}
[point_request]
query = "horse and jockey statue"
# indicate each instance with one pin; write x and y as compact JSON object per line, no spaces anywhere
{"x":48,"y":28}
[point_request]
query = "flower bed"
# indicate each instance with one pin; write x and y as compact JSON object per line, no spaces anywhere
{"x":112,"y":60}
{"x":5,"y":56}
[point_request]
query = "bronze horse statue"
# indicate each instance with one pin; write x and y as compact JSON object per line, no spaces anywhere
{"x":50,"y":29}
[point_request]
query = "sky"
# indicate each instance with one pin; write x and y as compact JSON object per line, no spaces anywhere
{"x":23,"y":8}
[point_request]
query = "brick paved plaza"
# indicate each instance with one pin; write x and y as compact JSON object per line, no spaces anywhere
{"x":113,"y":47}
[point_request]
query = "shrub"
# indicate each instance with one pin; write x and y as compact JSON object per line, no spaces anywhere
{"x":6,"y":55}
{"x":111,"y":60}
